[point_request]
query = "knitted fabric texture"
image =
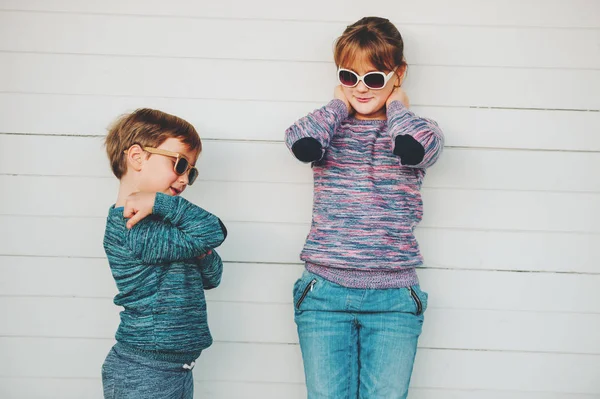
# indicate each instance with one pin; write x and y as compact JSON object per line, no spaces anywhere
{"x":160,"y":279}
{"x":367,"y":200}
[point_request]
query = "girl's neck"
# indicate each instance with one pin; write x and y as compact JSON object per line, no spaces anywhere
{"x":380,"y":115}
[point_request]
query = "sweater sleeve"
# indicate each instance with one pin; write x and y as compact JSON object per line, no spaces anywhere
{"x":417,"y":141}
{"x":310,"y":136}
{"x":211,"y":268}
{"x":177,"y":230}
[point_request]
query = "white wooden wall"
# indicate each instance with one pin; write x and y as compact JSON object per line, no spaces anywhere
{"x":511,"y":235}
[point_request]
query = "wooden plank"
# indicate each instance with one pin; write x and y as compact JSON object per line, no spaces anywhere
{"x":557,"y":13}
{"x":245,"y":161}
{"x":40,"y":388}
{"x":272,"y":283}
{"x":165,"y":36}
{"x":234,"y":390}
{"x":154,"y":77}
{"x":537,"y":372}
{"x":281,"y":243}
{"x":292,"y":203}
{"x":76,"y":388}
{"x":274,"y":323}
{"x":425,"y":393}
{"x":267,"y":120}
{"x":91,"y":388}
{"x":56,"y":277}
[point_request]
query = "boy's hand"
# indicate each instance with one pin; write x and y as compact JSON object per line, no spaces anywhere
{"x":338,"y":94}
{"x":204,"y":255}
{"x":138,"y":206}
{"x":398,"y":94}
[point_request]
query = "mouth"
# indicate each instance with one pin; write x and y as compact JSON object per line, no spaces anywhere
{"x":175,"y":191}
{"x":363,"y":99}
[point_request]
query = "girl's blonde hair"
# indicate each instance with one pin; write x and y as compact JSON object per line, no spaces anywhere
{"x":375,"y":38}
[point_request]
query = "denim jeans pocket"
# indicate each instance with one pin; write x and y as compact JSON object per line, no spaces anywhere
{"x":420,"y":299}
{"x":302,"y":288}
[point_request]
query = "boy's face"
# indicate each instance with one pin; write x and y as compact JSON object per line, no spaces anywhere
{"x":157,"y":173}
{"x":368,"y":103}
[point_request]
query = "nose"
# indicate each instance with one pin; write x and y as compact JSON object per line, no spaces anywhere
{"x":361,"y":87}
{"x":184,"y":178}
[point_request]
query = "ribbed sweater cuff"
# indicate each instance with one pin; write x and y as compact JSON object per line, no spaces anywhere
{"x":163,"y":204}
{"x":338,"y":107}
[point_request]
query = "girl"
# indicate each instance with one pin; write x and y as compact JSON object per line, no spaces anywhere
{"x":358,"y":306}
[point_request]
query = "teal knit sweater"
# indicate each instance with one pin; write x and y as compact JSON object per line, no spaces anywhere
{"x":160,"y":279}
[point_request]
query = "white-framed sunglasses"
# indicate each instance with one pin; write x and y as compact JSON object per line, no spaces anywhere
{"x":373,"y":80}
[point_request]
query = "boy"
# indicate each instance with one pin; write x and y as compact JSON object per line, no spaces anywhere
{"x":159,"y":247}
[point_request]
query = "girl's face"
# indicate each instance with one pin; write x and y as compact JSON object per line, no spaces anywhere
{"x":369,"y":103}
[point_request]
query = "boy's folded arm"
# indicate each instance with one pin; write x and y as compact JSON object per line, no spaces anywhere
{"x":179,"y":231}
{"x":211,"y":268}
{"x":417,"y":141}
{"x":310,"y":136}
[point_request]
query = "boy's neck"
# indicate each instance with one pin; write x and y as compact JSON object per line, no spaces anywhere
{"x":126,"y":188}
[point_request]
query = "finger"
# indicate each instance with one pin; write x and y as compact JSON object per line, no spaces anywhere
{"x":128,"y":212}
{"x":135,"y":219}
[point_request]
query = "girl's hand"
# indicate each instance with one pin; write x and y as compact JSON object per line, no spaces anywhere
{"x":138,"y":206}
{"x":398,"y":94}
{"x":338,"y":94}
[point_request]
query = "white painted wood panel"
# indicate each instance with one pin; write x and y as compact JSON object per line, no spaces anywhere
{"x":282,"y":243}
{"x":575,"y":13}
{"x":245,"y":322}
{"x":186,"y":78}
{"x":267,"y":120}
{"x":537,"y":372}
{"x":246,"y":283}
{"x":242,"y":161}
{"x":510,"y":234}
{"x":91,"y":388}
{"x":292,"y":203}
{"x":41,"y":388}
{"x":73,"y":388}
{"x":253,"y":39}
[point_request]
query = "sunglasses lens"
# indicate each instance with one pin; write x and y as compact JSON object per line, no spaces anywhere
{"x":181,"y":166}
{"x":347,"y":78}
{"x":374,"y":80}
{"x":192,"y":176}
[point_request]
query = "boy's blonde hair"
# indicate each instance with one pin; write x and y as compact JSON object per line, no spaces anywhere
{"x":377,"y":39}
{"x":147,"y":128}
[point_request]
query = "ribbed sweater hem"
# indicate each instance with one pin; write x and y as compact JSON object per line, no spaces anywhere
{"x":175,"y":357}
{"x":366,"y":278}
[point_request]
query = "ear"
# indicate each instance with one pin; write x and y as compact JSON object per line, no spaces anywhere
{"x":401,"y":74}
{"x":135,"y":157}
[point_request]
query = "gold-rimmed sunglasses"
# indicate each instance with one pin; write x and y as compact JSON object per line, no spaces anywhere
{"x":181,"y":166}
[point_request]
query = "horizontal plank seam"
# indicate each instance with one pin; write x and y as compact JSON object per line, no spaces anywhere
{"x":324,"y":21}
{"x":316,"y":102}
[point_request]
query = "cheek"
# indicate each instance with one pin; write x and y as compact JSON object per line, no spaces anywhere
{"x":387,"y":91}
{"x":347,"y":92}
{"x":163,"y":171}
{"x":170,"y":174}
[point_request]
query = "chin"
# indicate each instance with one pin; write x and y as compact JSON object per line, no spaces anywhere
{"x":367,"y":110}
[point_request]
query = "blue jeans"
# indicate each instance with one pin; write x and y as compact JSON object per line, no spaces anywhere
{"x":128,"y":375}
{"x":357,"y":343}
